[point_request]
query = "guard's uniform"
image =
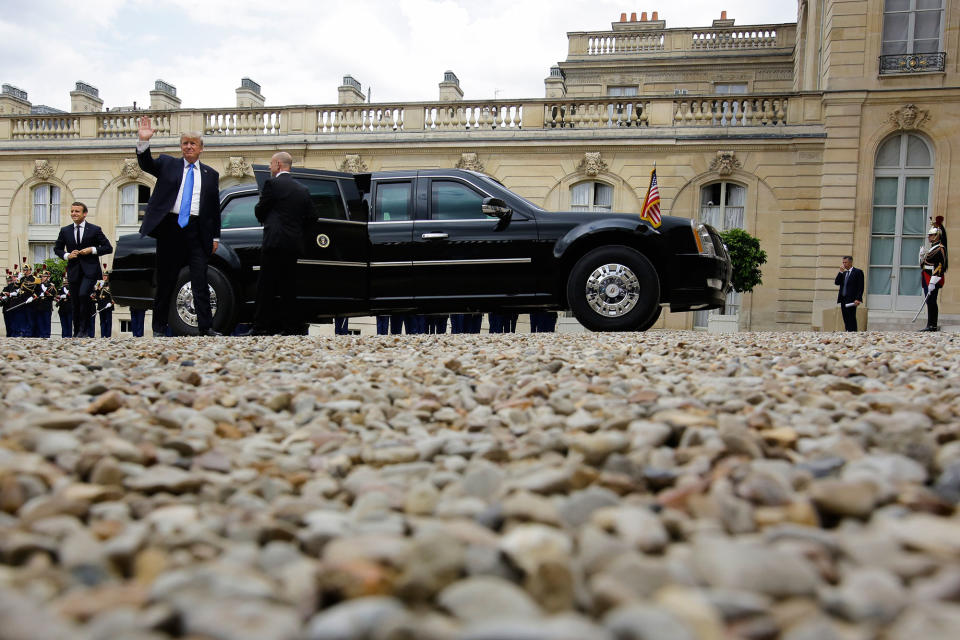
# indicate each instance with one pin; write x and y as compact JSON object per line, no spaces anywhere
{"x":64,"y":303}
{"x":104,"y":308}
{"x":29,"y":289}
{"x":933,"y":269}
{"x":46,"y":293}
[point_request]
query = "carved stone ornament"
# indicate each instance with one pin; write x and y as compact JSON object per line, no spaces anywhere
{"x":237,"y":167}
{"x":909,"y":117}
{"x":725,"y":163}
{"x":130,"y":169}
{"x":592,"y":164}
{"x":470,"y":161}
{"x":43,"y":169}
{"x":353,"y":164}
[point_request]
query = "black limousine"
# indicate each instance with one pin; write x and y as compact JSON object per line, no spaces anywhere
{"x":444,"y":241}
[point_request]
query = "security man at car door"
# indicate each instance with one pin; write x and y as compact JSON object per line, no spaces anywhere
{"x":850,"y":296}
{"x":183,"y":214}
{"x":285,"y":209}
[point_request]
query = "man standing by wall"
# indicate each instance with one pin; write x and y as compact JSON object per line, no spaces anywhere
{"x":850,"y":296}
{"x":284,"y":209}
{"x":81,"y":244}
{"x":183,"y":214}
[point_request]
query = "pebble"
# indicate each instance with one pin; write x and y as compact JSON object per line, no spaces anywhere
{"x":614,"y":486}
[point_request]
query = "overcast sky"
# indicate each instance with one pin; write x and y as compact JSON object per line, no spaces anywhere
{"x":299,"y":50}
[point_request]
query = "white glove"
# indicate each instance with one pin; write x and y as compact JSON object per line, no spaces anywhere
{"x":934,"y":280}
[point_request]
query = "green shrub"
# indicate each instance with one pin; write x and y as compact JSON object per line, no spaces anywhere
{"x":746,"y":256}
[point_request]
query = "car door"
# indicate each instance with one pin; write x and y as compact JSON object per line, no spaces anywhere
{"x":463,"y":258}
{"x":392,"y":213}
{"x":331,"y":274}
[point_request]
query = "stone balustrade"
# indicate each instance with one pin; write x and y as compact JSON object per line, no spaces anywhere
{"x":589,"y":44}
{"x":609,"y":112}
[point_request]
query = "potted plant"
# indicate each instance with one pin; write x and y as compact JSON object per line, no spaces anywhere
{"x":746,"y":256}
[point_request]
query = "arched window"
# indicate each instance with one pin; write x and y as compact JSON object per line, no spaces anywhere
{"x":722,"y":207}
{"x":591,"y":196}
{"x":902,"y":184}
{"x":46,"y":205}
{"x":133,"y":200}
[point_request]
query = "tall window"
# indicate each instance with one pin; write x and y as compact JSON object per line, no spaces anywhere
{"x":723,"y":88}
{"x":912,"y":26}
{"x":40,"y":251}
{"x":133,"y":200}
{"x":722,"y":207}
{"x":591,"y":196}
{"x":46,"y":204}
{"x":902,"y":185}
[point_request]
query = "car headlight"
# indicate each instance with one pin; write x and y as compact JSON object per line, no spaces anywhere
{"x":704,"y":242}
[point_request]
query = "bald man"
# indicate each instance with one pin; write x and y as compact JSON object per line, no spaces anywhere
{"x":285,"y":209}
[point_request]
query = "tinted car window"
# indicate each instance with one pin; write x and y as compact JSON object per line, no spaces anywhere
{"x":238,"y":213}
{"x":454,"y":201}
{"x":393,"y":201}
{"x":326,"y":198}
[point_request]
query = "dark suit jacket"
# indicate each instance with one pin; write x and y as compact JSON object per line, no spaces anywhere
{"x":854,"y":287}
{"x":285,"y":209}
{"x":169,"y":173}
{"x":87,"y":266}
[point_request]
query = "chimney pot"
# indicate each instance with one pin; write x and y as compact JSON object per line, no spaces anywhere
{"x":633,"y":16}
{"x":643,"y":16}
{"x":623,"y":17}
{"x":655,"y":17}
{"x":723,"y":15}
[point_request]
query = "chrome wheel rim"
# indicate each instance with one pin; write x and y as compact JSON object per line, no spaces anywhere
{"x":185,"y":308}
{"x":612,"y":290}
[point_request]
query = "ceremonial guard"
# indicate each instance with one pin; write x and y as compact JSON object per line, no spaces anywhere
{"x":7,"y":298}
{"x":104,"y":302}
{"x":65,"y":309}
{"x":29,"y":294}
{"x":43,"y":307}
{"x":933,"y":269}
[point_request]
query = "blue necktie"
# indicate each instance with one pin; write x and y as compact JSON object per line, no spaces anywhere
{"x":186,"y":198}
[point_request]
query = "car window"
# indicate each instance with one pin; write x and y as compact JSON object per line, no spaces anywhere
{"x":455,"y":201}
{"x":326,"y":198}
{"x":238,"y":213}
{"x":393,"y":201}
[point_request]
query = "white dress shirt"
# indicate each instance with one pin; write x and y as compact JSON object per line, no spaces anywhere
{"x":83,"y":230}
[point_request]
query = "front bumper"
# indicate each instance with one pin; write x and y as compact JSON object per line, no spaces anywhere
{"x":700,"y":282}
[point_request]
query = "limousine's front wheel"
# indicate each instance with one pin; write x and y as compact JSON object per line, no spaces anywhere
{"x":613,"y":289}
{"x":183,"y":314}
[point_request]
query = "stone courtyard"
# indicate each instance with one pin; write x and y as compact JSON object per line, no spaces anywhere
{"x":670,"y":485}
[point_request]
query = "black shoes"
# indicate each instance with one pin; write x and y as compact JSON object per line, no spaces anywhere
{"x":208,"y":332}
{"x":929,"y":328}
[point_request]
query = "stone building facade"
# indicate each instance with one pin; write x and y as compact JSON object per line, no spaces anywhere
{"x":830,"y":136}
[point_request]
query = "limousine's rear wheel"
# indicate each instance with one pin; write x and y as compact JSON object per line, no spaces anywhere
{"x":183,"y":314}
{"x":613,"y":289}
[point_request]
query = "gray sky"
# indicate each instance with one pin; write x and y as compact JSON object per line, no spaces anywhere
{"x":300,"y":50}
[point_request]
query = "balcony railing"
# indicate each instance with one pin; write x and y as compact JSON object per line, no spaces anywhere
{"x":622,"y":43}
{"x":913,"y":63}
{"x":608,"y":112}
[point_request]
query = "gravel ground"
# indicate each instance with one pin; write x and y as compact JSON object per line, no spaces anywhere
{"x":658,"y":486}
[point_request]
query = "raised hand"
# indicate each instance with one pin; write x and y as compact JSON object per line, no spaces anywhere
{"x":146,"y":129}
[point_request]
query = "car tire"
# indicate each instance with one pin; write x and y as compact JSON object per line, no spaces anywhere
{"x":223,"y":304}
{"x":613,"y":288}
{"x":652,"y":320}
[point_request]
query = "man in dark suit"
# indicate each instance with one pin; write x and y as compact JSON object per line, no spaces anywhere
{"x":850,"y":281}
{"x":183,"y":214}
{"x":82,"y":244}
{"x":285,"y":209}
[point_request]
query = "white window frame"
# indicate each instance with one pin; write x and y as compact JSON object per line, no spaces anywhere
{"x":591,"y":203}
{"x":127,"y":215}
{"x":722,"y":216}
{"x":911,"y":12}
{"x":40,"y":251}
{"x":45,"y":199}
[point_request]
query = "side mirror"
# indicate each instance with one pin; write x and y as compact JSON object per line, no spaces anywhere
{"x":495,"y":207}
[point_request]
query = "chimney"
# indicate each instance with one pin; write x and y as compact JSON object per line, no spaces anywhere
{"x":723,"y":21}
{"x":633,"y":16}
{"x":623,"y":17}
{"x":13,"y":100}
{"x":723,"y":15}
{"x":248,"y":94}
{"x":643,"y":16}
{"x":450,"y":90}
{"x":85,"y":99}
{"x":164,"y":97}
{"x":655,"y":16}
{"x":350,"y":92}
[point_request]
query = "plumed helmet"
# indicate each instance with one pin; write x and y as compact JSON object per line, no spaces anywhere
{"x":934,"y":231}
